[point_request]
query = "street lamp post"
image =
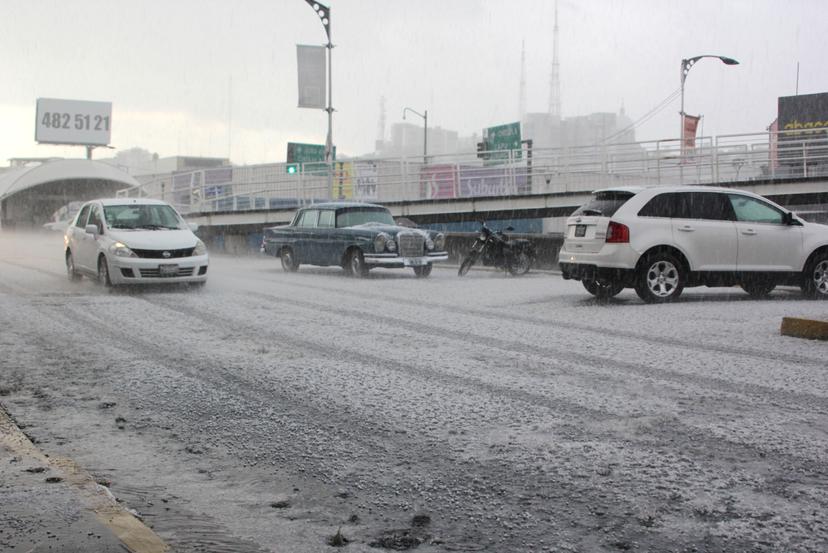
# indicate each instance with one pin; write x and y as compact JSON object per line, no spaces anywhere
{"x":324,"y":13}
{"x":686,"y":64}
{"x":425,"y":131}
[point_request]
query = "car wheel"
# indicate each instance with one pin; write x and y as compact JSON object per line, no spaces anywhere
{"x":758,"y":288}
{"x":71,"y":272}
{"x":289,"y":262}
{"x":355,"y":264}
{"x":815,"y":278}
{"x":521,"y":264}
{"x":422,"y":271}
{"x":660,"y":279}
{"x":467,"y":263}
{"x":103,"y":272}
{"x":601,"y":289}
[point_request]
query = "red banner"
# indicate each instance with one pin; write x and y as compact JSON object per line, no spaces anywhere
{"x":688,"y":139}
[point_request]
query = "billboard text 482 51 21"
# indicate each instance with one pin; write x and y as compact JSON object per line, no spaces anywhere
{"x":73,"y":122}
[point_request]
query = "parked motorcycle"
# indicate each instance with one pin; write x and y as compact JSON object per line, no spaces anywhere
{"x":494,"y":248}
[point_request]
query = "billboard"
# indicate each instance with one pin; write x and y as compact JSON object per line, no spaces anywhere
{"x":73,"y":122}
{"x":801,"y":148}
{"x":806,"y":113}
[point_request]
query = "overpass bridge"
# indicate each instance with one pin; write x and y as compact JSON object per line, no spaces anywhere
{"x":807,"y":196}
{"x":547,"y":184}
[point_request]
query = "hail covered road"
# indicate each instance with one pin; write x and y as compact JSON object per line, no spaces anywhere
{"x":276,"y":412}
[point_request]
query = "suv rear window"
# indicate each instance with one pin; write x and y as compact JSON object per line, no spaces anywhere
{"x":604,"y":204}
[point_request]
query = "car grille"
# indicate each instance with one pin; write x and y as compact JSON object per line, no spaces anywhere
{"x":155,"y":273}
{"x":411,"y":244}
{"x":159,"y":254}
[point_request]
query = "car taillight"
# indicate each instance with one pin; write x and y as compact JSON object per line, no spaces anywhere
{"x":618,"y":233}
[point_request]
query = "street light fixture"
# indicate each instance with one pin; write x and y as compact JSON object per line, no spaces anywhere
{"x":324,"y":13}
{"x":425,"y":131}
{"x":686,"y":64}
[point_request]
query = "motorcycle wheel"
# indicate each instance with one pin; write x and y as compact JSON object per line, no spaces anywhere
{"x":521,"y":264}
{"x":467,"y":263}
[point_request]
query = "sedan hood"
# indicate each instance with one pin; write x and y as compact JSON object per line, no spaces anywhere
{"x":155,"y":239}
{"x":393,"y":230}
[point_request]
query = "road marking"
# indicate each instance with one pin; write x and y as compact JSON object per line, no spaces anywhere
{"x":137,"y":537}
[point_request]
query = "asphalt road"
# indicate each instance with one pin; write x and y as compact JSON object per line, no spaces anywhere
{"x":274,"y":412}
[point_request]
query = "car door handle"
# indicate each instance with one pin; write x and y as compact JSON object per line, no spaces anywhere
{"x":749,"y":232}
{"x":686,"y":228}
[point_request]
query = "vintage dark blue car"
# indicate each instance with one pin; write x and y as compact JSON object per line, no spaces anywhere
{"x":355,"y":236}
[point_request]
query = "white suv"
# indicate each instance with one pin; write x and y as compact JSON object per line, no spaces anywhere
{"x":663,"y":239}
{"x":133,"y":241}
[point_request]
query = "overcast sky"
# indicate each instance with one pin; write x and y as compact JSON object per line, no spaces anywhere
{"x":179,"y":73}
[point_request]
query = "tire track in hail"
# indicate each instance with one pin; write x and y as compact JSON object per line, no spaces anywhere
{"x":573,"y":325}
{"x":663,"y":431}
{"x":512,"y":481}
{"x":757,"y":391}
{"x":674,"y":342}
{"x":505,"y":472}
{"x":669,"y":425}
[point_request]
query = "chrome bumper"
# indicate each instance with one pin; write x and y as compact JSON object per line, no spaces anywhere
{"x":394,"y":260}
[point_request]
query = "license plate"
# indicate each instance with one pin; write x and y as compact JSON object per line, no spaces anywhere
{"x":580,"y":231}
{"x":168,"y":270}
{"x":415,"y":262}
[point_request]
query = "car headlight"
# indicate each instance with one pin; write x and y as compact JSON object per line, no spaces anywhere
{"x":200,"y":248}
{"x":381,"y":241}
{"x":119,"y":249}
{"x":440,"y":241}
{"x":429,"y":243}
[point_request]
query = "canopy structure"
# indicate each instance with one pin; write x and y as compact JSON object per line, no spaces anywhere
{"x":30,"y":195}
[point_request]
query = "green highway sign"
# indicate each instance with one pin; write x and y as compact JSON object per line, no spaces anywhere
{"x":308,"y":155}
{"x":501,"y":138}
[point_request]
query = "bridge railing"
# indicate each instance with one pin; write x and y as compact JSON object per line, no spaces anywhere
{"x":708,"y":160}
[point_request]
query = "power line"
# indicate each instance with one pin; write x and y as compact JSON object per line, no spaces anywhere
{"x":647,"y":116}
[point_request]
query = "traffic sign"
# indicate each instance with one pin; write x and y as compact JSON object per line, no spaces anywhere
{"x":500,"y":139}
{"x":302,"y":154}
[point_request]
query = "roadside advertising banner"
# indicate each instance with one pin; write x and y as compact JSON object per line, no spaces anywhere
{"x":311,"y":65}
{"x":365,"y":177}
{"x":688,"y":139}
{"x":438,"y":182}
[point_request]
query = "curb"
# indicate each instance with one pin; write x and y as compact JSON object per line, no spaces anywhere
{"x":804,"y":328}
{"x":133,"y":534}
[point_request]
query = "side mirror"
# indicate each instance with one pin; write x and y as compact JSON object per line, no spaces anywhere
{"x":92,"y":229}
{"x":193,"y":226}
{"x":788,"y":219}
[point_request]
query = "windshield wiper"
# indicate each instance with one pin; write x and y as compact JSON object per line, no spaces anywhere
{"x":156,"y":227}
{"x":590,"y":211}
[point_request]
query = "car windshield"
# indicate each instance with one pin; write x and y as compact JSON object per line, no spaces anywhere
{"x":362,"y":216}
{"x":604,"y":204}
{"x":145,"y":217}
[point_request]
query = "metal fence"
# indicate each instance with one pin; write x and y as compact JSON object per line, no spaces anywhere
{"x":709,"y":160}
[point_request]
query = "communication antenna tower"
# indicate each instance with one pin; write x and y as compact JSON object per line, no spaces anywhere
{"x":555,"y":80}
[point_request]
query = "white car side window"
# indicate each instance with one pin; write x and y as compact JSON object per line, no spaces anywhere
{"x":754,"y":211}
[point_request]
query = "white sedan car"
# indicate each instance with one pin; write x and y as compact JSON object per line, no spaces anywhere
{"x":133,"y":241}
